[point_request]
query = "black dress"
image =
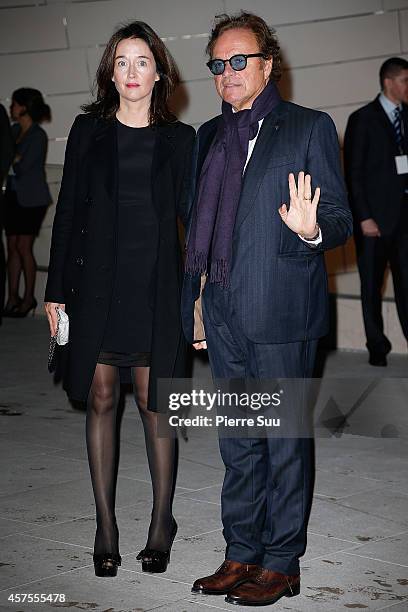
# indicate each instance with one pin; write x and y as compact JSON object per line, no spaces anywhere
{"x":128,"y":334}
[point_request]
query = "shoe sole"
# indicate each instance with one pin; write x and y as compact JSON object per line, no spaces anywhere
{"x":201,"y":591}
{"x":243,"y":602}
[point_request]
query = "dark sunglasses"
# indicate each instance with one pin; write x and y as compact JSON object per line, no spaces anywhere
{"x":237,"y":62}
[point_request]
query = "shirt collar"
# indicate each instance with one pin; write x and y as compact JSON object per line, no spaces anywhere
{"x":387,"y":105}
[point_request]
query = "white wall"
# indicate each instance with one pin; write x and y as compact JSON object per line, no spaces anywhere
{"x":332,"y":51}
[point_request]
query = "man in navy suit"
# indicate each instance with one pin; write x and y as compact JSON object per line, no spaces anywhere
{"x":269,"y":199}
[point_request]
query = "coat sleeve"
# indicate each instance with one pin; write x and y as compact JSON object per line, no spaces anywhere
{"x":63,"y":220}
{"x":6,"y":144}
{"x":355,"y":154}
{"x":184,"y":200}
{"x":34,"y":155}
{"x":323,"y":164}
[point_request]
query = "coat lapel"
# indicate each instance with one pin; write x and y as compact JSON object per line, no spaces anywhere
{"x":163,"y":149}
{"x":105,"y":156}
{"x":258,"y":163}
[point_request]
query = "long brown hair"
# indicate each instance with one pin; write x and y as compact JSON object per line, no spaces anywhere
{"x":107,"y":98}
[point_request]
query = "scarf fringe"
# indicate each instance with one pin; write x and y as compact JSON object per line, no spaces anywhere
{"x":196,"y":263}
{"x":219,"y":273}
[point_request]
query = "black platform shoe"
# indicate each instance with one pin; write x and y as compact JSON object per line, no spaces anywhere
{"x":10,"y":309}
{"x":20,"y":314}
{"x":106,"y":565}
{"x":156,"y":561}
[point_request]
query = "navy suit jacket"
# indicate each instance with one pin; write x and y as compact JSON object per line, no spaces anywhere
{"x":278,"y":282}
{"x":375,"y":189}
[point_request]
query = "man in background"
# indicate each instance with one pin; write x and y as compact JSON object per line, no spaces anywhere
{"x":376,"y":167}
{"x":6,"y":156}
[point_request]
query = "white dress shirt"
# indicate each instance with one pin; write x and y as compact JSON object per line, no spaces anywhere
{"x":388,"y":106}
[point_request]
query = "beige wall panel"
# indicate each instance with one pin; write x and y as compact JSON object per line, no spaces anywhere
{"x":294,"y":11}
{"x":203,"y":102}
{"x":340,"y":116}
{"x":394,"y":4}
{"x":92,"y":23}
{"x":32,"y":29}
{"x":94,"y":55}
{"x":190,"y":57}
{"x":70,"y":1}
{"x":15,"y":3}
{"x":39,"y":292}
{"x":51,"y":72}
{"x":336,"y":85}
{"x":54,"y":173}
{"x":339,"y":40}
{"x":56,"y":151}
{"x":42,"y":248}
{"x":49,"y":217}
{"x":404,"y":30}
{"x":64,"y":110}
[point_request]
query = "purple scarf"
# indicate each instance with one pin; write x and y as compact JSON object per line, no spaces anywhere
{"x":219,"y":188}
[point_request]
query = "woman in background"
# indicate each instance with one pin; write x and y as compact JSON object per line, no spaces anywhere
{"x":27,"y":196}
{"x":6,"y":157}
{"x":116,"y":267}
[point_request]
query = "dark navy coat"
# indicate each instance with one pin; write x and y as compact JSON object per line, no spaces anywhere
{"x":278,"y":282}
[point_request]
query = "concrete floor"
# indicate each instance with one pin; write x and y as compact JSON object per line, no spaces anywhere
{"x":357,"y":556}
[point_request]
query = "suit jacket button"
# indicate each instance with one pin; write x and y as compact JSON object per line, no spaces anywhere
{"x":80,"y":261}
{"x":89,"y":200}
{"x":84,"y":231}
{"x":72,"y":290}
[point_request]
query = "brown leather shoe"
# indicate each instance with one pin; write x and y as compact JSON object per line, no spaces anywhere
{"x":264,"y":589}
{"x":228,"y":576}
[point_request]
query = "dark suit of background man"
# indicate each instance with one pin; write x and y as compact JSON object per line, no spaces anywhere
{"x":265,"y":301}
{"x":6,"y":156}
{"x":376,"y":140}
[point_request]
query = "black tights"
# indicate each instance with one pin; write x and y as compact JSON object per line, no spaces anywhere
{"x":101,"y":439}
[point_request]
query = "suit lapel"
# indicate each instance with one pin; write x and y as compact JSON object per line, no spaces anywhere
{"x":257,"y":165}
{"x":206,"y":140}
{"x":405,"y":125}
{"x":386,"y":123}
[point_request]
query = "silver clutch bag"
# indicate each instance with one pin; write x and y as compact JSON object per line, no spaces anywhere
{"x":60,"y":338}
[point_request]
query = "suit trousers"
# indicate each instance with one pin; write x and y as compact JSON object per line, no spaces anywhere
{"x":373,"y":256}
{"x":268,"y":484}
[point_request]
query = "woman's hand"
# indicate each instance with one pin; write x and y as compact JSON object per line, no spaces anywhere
{"x":302,"y":214}
{"x":51,"y":312}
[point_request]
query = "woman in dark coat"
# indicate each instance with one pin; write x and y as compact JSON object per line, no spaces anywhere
{"x":116,"y":268}
{"x":27,"y":196}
